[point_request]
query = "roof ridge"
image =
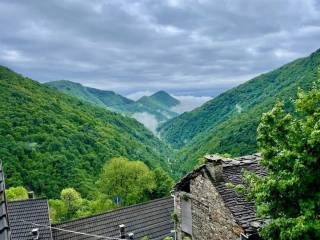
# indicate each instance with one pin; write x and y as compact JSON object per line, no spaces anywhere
{"x":114,"y":210}
{"x":242,"y":160}
{"x":105,"y":218}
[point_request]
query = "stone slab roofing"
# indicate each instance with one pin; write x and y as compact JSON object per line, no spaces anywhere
{"x":152,"y":219}
{"x":26,"y":215}
{"x":243,"y":211}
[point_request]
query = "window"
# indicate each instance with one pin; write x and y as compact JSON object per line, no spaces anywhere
{"x":186,"y":216}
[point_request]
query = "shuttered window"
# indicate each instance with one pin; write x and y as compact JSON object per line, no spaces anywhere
{"x":186,"y":216}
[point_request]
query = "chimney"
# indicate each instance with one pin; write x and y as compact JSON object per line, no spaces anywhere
{"x":122,"y":228}
{"x":131,"y":235}
{"x":214,"y":166}
{"x":30,"y":195}
{"x":35,"y":233}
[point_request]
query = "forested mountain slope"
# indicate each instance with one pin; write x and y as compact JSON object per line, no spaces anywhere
{"x":50,"y":141}
{"x":158,"y":107}
{"x":158,"y":104}
{"x":228,"y":123}
{"x":110,"y":98}
{"x":98,"y":97}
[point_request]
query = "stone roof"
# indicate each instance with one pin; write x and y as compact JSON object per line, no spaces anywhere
{"x":4,"y":225}
{"x":26,"y":215}
{"x":242,"y":210}
{"x":191,"y":175}
{"x":152,"y":219}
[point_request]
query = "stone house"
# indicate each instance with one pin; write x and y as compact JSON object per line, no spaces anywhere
{"x":205,"y":208}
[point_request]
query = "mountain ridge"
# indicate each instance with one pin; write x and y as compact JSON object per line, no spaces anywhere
{"x":164,"y":99}
{"x":50,"y":140}
{"x":227,"y":123}
{"x":157,"y":105}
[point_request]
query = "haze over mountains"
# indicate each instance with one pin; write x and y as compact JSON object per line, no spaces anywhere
{"x":150,"y":110}
{"x":44,"y":132}
{"x":106,"y":104}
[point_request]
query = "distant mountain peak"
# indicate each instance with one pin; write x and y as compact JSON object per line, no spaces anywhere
{"x":62,"y":81}
{"x":161,"y":92}
{"x":164,"y":99}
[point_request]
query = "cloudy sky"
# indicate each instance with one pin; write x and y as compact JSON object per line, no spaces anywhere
{"x":187,"y":47}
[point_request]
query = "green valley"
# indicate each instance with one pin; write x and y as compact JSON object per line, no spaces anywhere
{"x":228,"y":123}
{"x":47,"y":133}
{"x":50,"y":141}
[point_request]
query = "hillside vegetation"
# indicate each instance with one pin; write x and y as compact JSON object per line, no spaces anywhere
{"x":94,"y":96}
{"x":158,"y":104}
{"x":50,"y":141}
{"x":228,"y":123}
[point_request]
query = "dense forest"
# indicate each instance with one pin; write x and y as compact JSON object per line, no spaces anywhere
{"x":228,"y":123}
{"x":50,"y":141}
{"x":97,"y":97}
{"x":121,"y":183}
{"x":47,"y":136}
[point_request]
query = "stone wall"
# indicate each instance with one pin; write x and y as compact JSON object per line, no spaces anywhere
{"x":211,"y":219}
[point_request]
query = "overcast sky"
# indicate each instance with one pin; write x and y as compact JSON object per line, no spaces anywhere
{"x":187,"y":47}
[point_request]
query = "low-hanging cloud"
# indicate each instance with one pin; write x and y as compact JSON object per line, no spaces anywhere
{"x":188,"y":103}
{"x":148,"y":120}
{"x":187,"y":47}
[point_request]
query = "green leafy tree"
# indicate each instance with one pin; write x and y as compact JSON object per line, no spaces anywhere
{"x":67,"y":206}
{"x":71,"y":205}
{"x":72,"y":200}
{"x":132,"y":181}
{"x":58,"y":210}
{"x":100,"y":204}
{"x":16,"y":193}
{"x":164,"y":183}
{"x":290,"y":194}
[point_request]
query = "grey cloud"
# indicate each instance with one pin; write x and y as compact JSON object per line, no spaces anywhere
{"x":189,"y":47}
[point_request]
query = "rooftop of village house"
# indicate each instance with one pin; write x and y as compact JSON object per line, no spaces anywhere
{"x":151,"y":219}
{"x":242,"y":210}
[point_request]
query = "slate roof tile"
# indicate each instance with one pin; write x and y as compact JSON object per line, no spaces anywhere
{"x":242,"y":210}
{"x":152,"y":219}
{"x":24,"y":214}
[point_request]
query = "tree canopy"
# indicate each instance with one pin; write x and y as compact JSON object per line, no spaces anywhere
{"x":289,"y":196}
{"x":50,"y":141}
{"x":16,"y":193}
{"x":71,"y":206}
{"x":129,"y":181}
{"x":121,"y":183}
